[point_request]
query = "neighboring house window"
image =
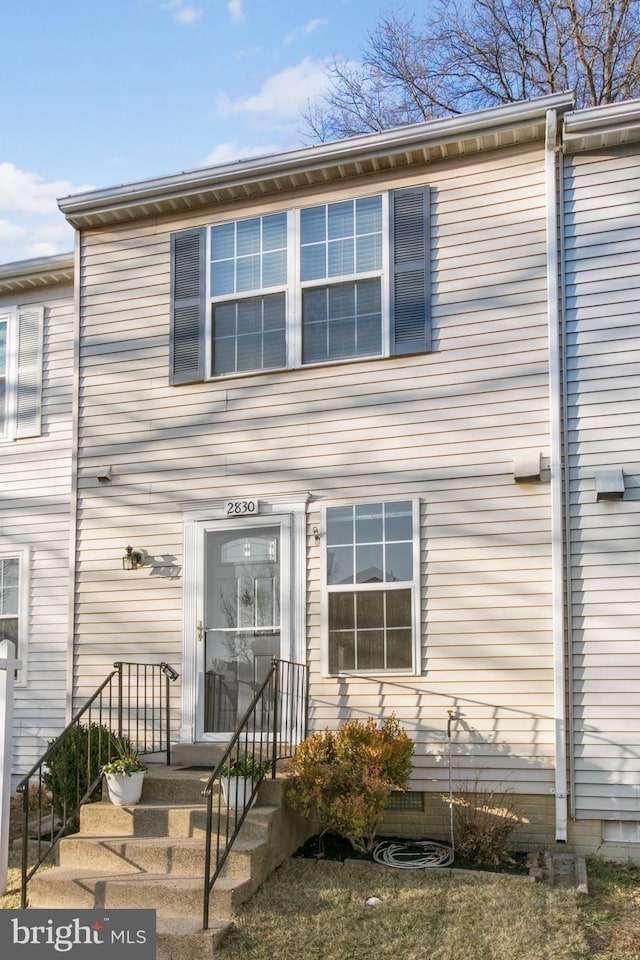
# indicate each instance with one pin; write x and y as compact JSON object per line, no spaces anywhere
{"x":14,"y":580}
{"x":9,"y":599}
{"x":21,"y":344}
{"x":371,"y":582}
{"x":330,"y":282}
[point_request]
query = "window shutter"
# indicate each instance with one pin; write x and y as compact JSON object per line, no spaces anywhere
{"x":410,"y":306}
{"x":188,"y":306}
{"x":29,"y":373}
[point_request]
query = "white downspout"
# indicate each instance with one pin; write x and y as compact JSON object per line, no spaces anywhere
{"x":555,"y":431}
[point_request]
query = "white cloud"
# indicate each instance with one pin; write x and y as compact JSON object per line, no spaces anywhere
{"x":28,"y":193}
{"x":34,"y":226}
{"x":10,"y":231}
{"x":236,"y":9}
{"x":230,"y":151}
{"x":284,"y":94}
{"x":187,"y":15}
{"x":303,"y":31}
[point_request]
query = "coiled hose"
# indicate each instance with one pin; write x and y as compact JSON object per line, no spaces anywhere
{"x":414,"y":854}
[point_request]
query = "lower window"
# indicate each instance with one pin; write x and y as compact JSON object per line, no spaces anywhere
{"x":9,"y":598}
{"x":371,"y":570}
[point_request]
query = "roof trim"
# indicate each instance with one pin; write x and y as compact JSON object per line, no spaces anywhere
{"x":38,"y":272}
{"x":275,"y":172}
{"x":604,"y":126}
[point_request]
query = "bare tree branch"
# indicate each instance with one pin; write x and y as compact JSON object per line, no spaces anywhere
{"x":463,"y":56}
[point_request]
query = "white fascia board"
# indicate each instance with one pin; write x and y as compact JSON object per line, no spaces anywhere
{"x":618,"y":120}
{"x":40,"y":271}
{"x":398,"y":139}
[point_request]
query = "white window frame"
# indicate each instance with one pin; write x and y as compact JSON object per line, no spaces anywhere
{"x":293,"y":290}
{"x":416,"y":666}
{"x":23,"y":556}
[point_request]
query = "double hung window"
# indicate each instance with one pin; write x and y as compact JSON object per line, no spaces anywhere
{"x":248,"y":284}
{"x":371,"y":569}
{"x":324,"y":283}
{"x":341,"y":280}
{"x":14,"y":579}
{"x":9,"y":598}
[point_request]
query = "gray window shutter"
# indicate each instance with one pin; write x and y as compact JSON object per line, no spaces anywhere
{"x":410,"y":296}
{"x":188,"y":306}
{"x":29,"y":373}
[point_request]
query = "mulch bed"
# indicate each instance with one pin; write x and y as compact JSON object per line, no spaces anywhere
{"x":331,"y":846}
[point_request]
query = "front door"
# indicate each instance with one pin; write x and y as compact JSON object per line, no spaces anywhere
{"x":245,"y":623}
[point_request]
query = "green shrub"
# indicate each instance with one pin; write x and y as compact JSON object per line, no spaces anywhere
{"x":343,"y":780}
{"x":76,"y":764}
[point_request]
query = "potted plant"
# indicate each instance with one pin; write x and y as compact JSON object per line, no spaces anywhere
{"x":238,"y":777}
{"x":124,"y":774}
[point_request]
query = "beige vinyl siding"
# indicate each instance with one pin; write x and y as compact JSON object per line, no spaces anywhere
{"x":602,"y":219}
{"x":441,"y":427}
{"x":35,"y":495}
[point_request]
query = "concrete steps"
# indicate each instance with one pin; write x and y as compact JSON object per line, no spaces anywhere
{"x":151,"y":856}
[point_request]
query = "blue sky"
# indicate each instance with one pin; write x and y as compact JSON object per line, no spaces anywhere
{"x":98,"y":94}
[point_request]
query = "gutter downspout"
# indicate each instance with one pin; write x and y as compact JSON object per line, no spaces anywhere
{"x":73,"y":506}
{"x":557,"y":501}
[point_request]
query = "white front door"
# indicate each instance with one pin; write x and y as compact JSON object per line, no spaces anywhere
{"x":244,"y":603}
{"x":246,"y":623}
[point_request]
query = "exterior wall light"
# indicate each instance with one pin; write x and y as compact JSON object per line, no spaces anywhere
{"x":132,"y":559}
{"x":609,"y":484}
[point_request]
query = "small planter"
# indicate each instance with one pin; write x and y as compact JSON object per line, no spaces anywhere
{"x":124,"y":791}
{"x":237,"y":791}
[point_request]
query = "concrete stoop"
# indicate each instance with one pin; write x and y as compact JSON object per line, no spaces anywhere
{"x":151,"y":856}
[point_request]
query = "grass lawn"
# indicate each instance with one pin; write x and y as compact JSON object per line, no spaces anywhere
{"x":317,"y":911}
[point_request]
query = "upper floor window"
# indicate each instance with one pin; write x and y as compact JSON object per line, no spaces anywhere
{"x":330,"y":282}
{"x":21,"y":342}
{"x":371,"y":574}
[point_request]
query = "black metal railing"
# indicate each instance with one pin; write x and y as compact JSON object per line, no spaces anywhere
{"x":272,"y":727}
{"x":132,"y":705}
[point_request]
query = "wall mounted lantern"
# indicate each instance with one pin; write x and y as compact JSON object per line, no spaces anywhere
{"x":132,"y":559}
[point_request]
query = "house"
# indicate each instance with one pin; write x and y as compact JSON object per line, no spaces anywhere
{"x":356,"y":405}
{"x":36,"y":401}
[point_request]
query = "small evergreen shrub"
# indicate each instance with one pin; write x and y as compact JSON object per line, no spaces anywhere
{"x":343,"y":780}
{"x":76,"y":764}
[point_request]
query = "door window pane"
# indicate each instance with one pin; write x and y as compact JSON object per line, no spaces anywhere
{"x":242,"y":629}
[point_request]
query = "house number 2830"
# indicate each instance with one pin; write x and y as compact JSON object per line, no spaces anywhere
{"x":239,"y":508}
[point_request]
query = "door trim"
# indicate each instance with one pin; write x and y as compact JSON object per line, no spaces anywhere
{"x":196,"y":520}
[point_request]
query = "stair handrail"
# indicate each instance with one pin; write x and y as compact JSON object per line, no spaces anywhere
{"x":141,"y":723}
{"x":280,"y":704}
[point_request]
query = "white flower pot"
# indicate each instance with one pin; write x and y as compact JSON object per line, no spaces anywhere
{"x":237,"y":791}
{"x":125,"y":791}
